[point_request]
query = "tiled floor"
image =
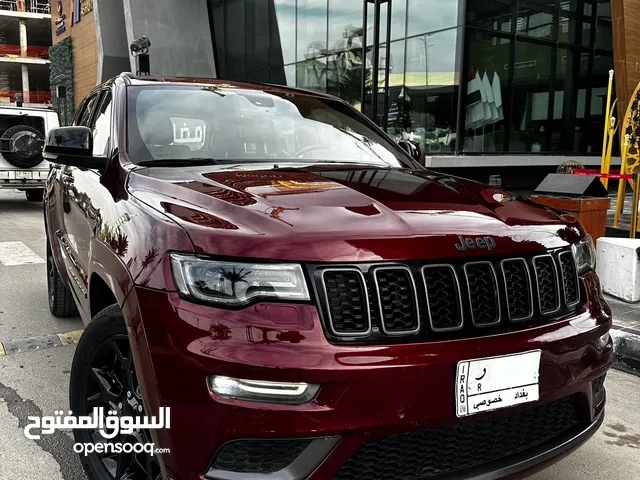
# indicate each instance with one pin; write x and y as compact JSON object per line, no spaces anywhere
{"x":625,"y":218}
{"x":626,"y":316}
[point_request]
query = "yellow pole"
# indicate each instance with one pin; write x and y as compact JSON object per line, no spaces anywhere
{"x":606,"y":166}
{"x":606,"y":126}
{"x":622,"y":185}
{"x":634,"y":208}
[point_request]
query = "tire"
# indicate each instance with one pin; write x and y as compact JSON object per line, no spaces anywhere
{"x":61,"y":302}
{"x":34,"y":195}
{"x":25,"y":145}
{"x":103,"y":375}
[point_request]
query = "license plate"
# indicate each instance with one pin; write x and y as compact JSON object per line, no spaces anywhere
{"x":24,"y":175}
{"x":487,"y":384}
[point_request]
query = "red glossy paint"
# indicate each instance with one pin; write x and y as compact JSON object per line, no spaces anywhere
{"x":113,"y":232}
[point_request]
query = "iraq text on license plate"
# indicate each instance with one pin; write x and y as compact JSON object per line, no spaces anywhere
{"x":23,"y":175}
{"x":487,"y":384}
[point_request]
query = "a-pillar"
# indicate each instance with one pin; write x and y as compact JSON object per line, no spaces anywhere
{"x":23,"y":39}
{"x":25,"y":83}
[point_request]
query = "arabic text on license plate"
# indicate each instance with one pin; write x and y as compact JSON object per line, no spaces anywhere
{"x":487,"y":384}
{"x":23,"y":175}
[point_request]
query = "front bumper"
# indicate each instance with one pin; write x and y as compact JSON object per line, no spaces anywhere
{"x":368,"y":392}
{"x":515,"y":466}
{"x":38,"y":179}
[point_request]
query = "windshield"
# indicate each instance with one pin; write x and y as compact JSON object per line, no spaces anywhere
{"x":235,"y":125}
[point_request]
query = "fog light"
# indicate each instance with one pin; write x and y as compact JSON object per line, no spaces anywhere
{"x":263,"y":391}
{"x":604,"y":340}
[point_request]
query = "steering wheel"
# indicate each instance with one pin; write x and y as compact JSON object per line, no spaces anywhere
{"x":300,"y":153}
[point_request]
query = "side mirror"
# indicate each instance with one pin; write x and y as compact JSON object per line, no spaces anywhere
{"x":72,"y":146}
{"x":414,"y":150}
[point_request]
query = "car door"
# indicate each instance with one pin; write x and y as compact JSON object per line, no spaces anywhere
{"x":61,"y":193}
{"x":84,"y":191}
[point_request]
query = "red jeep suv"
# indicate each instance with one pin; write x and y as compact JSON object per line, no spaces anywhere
{"x":306,"y":298}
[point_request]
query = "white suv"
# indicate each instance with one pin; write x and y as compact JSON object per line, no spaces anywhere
{"x":22,"y":133}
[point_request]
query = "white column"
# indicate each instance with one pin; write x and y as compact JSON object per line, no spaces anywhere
{"x":25,"y":83}
{"x":23,"y":39}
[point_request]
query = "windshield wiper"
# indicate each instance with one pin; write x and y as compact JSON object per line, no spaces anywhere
{"x":179,"y":162}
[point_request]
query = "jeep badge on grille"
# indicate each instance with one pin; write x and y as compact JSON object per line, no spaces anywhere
{"x":469,"y":243}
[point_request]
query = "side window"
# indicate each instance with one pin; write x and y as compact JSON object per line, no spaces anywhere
{"x":85,"y":115}
{"x":101,"y":126}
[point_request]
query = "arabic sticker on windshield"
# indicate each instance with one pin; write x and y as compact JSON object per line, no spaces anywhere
{"x":487,"y":384}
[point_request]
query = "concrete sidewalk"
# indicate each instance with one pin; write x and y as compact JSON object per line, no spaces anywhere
{"x":626,"y":334}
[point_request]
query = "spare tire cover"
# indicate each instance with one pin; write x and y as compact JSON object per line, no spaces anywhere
{"x":24,"y":144}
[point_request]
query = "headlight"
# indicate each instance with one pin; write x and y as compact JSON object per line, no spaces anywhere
{"x":584,"y":253}
{"x":234,"y":284}
{"x":263,"y":391}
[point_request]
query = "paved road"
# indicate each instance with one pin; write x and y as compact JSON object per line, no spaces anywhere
{"x":36,"y":382}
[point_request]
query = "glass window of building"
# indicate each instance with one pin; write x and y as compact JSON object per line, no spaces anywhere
{"x":532,"y":76}
{"x":311,"y":29}
{"x":432,"y":78}
{"x":554,"y":89}
{"x":530,"y":97}
{"x":487,"y":92}
{"x":490,"y":14}
{"x":285,"y":29}
{"x":430,"y":15}
{"x":398,"y":19}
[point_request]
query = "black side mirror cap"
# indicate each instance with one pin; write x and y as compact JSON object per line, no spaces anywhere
{"x":413,"y":149}
{"x":72,"y":146}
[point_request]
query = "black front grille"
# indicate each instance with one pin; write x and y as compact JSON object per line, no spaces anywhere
{"x":569,"y":274}
{"x":443,"y":297}
{"x":445,"y":301}
{"x":347,"y":301}
{"x":547,"y":284}
{"x":518,"y":286}
{"x":420,"y":455}
{"x":398,"y":301}
{"x":483,"y":293}
{"x":258,"y":456}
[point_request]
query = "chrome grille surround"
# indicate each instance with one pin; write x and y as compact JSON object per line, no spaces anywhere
{"x":529,"y":289}
{"x":365,"y":302}
{"x":414,"y":297}
{"x":423,"y":301}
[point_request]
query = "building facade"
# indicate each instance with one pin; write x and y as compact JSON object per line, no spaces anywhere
{"x":25,"y":38}
{"x":478,"y":83}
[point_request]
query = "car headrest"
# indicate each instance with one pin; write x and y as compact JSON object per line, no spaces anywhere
{"x":157,"y":130}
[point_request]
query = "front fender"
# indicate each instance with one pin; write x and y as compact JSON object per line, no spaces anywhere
{"x":111,"y":269}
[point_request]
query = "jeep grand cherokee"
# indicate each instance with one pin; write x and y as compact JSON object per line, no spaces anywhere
{"x":308,"y":300}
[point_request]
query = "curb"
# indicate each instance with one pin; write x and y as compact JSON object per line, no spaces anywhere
{"x":626,"y":348}
{"x":39,"y":342}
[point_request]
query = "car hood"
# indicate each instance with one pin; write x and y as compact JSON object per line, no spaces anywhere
{"x":337,"y":213}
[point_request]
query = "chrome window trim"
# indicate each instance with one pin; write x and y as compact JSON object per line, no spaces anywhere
{"x":555,"y":270}
{"x":458,"y":294}
{"x":415,"y":300}
{"x":496,"y":290}
{"x":530,"y":289}
{"x":576,"y":276}
{"x":328,"y":307}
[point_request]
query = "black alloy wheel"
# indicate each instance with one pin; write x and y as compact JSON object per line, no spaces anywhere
{"x":103,"y":375}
